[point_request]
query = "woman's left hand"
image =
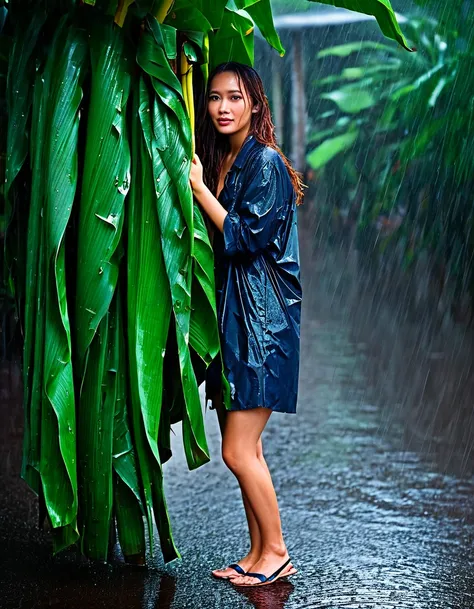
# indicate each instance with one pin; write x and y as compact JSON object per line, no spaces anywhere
{"x":195,"y":177}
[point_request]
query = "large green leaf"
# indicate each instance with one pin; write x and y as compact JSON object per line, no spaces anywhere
{"x":127,"y":493}
{"x":234,"y":41}
{"x":261,"y":13}
{"x":94,"y":442}
{"x":148,"y":319}
{"x":33,"y":348}
{"x":186,"y":16}
{"x":21,"y":70}
{"x":213,"y":10}
{"x":203,"y":334}
{"x":63,"y":73}
{"x":381,"y":9}
{"x":351,"y":99}
{"x":326,"y":151}
{"x":105,"y":183}
{"x":168,"y":136}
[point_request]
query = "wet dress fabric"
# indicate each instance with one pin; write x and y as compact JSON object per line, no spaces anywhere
{"x":258,"y":288}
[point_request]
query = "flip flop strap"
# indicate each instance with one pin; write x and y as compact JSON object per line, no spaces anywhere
{"x":237,"y":568}
{"x":263,"y":578}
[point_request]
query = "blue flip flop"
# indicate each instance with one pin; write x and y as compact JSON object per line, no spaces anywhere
{"x":263,"y":579}
{"x":236,"y":568}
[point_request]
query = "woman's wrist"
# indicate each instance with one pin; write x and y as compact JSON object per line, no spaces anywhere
{"x":211,"y":206}
{"x":200,"y":190}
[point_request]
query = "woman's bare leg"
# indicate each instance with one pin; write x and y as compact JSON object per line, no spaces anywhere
{"x":254,"y":532}
{"x":239,"y":450}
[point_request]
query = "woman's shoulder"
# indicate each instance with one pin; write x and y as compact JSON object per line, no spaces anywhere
{"x":266,"y":156}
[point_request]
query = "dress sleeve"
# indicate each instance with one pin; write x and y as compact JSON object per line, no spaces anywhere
{"x":250,"y":228}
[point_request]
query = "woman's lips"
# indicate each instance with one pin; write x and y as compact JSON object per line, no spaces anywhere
{"x":224,"y":121}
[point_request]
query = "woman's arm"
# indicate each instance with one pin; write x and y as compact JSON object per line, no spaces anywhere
{"x":207,"y":200}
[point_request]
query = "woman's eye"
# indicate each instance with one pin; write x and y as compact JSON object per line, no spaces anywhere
{"x":213,"y":97}
{"x":236,"y":97}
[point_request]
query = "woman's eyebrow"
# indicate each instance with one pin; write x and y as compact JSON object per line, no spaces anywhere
{"x":229,"y":91}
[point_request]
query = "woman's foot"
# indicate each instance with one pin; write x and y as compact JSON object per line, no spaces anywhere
{"x":266,"y":565}
{"x":229,"y":573}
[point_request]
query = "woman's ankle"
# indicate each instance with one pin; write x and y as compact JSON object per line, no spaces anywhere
{"x":272,"y":549}
{"x":254,"y":553}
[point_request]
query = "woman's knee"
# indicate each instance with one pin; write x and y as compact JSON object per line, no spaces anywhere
{"x":231,"y":457}
{"x":237,"y":458}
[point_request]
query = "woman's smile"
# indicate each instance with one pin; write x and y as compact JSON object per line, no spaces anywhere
{"x":224,"y":121}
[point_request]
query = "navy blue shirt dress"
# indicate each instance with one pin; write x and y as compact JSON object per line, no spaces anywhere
{"x":258,"y":287}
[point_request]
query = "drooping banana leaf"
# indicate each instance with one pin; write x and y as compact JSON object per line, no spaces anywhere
{"x":203,"y":336}
{"x":33,"y":348}
{"x":234,"y":40}
{"x":21,"y":70}
{"x":64,"y":71}
{"x":18,"y":66}
{"x":261,"y":13}
{"x":381,"y":9}
{"x":168,"y":136}
{"x":106,"y":180}
{"x":127,"y":494}
{"x":94,"y":445}
{"x":148,"y":318}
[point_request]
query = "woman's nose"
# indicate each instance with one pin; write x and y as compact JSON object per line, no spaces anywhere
{"x":223,"y":107}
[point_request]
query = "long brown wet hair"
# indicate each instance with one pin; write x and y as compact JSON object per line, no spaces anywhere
{"x":212,"y":146}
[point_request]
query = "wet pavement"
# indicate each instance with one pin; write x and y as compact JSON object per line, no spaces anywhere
{"x":375,"y":476}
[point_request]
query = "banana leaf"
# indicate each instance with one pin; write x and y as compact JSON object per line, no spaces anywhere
{"x":34,"y":317}
{"x":352,"y":98}
{"x":261,"y":13}
{"x":21,"y":70}
{"x":326,"y":151}
{"x":213,"y":11}
{"x":105,"y":183}
{"x":148,"y":320}
{"x":187,"y":16}
{"x":106,"y":180}
{"x":64,"y":71}
{"x":128,"y":502}
{"x":234,"y":40}
{"x":167,"y":133}
{"x":94,"y":451}
{"x":381,"y":9}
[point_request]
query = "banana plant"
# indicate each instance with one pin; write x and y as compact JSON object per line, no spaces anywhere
{"x":119,"y":316}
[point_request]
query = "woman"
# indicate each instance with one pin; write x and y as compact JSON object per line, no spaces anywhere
{"x":250,"y":194}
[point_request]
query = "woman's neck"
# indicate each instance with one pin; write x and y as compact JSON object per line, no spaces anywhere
{"x":236,"y":140}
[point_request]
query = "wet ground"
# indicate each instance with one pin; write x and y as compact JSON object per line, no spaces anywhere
{"x":375,"y":476}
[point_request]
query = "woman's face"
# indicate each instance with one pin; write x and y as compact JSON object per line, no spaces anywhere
{"x":229,"y":104}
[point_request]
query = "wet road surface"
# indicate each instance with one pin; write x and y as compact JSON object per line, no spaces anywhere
{"x":374,"y":475}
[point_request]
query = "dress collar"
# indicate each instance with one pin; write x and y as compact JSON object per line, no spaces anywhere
{"x":249,"y":143}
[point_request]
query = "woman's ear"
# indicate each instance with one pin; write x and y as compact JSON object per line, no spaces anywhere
{"x":256,"y":108}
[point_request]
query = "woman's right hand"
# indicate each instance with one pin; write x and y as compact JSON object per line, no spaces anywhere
{"x":196,"y":176}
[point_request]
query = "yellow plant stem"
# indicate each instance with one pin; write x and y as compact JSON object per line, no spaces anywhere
{"x":163,"y":10}
{"x":121,"y":12}
{"x":187,"y":86}
{"x":205,"y":66}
